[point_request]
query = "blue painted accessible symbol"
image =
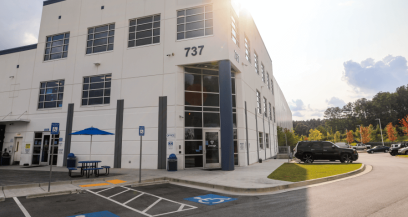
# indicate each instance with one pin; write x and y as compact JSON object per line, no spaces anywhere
{"x":97,"y":214}
{"x":210,"y":199}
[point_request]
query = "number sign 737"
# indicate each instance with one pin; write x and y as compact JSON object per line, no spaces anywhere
{"x":194,"y":51}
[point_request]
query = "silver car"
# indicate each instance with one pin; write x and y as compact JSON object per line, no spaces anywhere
{"x":403,"y":150}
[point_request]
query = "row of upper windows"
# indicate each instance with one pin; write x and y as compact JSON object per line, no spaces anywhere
{"x":265,"y":107}
{"x":96,"y":90}
{"x":191,"y":23}
{"x":235,"y":39}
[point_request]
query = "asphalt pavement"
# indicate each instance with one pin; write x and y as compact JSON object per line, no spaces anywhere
{"x":381,"y":192}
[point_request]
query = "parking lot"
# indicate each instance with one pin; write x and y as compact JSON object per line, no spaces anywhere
{"x":154,"y":200}
{"x":339,"y":198}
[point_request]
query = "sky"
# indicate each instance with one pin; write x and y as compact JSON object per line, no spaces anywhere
{"x":325,"y":53}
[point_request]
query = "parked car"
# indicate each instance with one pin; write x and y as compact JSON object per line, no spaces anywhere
{"x":395,"y":148}
{"x":403,"y":151}
{"x":361,"y":146}
{"x":309,"y":151}
{"x":379,"y":148}
{"x":342,"y":145}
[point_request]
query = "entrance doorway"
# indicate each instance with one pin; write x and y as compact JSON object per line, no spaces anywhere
{"x":17,"y":150}
{"x":43,"y":144}
{"x":212,"y":149}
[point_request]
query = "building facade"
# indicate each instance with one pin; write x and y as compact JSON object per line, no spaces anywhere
{"x":195,"y":73}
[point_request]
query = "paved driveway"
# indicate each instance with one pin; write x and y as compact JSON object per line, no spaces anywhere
{"x":381,"y":192}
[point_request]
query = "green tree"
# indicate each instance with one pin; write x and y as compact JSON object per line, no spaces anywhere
{"x":315,"y":135}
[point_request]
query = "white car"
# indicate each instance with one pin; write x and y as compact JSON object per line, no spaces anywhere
{"x":361,"y":146}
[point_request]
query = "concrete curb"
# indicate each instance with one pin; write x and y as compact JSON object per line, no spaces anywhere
{"x":61,"y":182}
{"x":268,"y":189}
{"x":150,"y":183}
{"x":55,"y":193}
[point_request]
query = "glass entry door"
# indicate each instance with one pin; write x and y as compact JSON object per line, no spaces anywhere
{"x":45,"y":149}
{"x":212,"y":149}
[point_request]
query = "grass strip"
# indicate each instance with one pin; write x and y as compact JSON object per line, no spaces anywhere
{"x":301,"y":172}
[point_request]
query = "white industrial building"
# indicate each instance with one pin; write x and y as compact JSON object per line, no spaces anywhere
{"x":184,"y":69}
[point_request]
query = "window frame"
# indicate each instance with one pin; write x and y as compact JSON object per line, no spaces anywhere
{"x":89,"y":89}
{"x":265,"y":104}
{"x":247,"y":45}
{"x":267,"y":80}
{"x":260,"y":139}
{"x":234,"y":28}
{"x":256,"y":61}
{"x":45,"y":93}
{"x":270,"y":111}
{"x":258,"y":102}
{"x":263,"y":72}
{"x":152,"y":29}
{"x":63,"y":46}
{"x":192,"y":30}
{"x":107,"y":39}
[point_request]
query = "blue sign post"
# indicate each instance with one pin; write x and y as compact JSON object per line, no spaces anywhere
{"x":54,"y":131}
{"x":141,"y":134}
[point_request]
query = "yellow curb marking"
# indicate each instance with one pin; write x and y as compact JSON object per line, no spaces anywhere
{"x":116,"y":181}
{"x":93,"y":185}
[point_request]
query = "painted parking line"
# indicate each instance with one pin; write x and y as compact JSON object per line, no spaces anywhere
{"x":21,"y":207}
{"x":156,"y":204}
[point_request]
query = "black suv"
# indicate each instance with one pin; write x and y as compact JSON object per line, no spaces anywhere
{"x":316,"y":150}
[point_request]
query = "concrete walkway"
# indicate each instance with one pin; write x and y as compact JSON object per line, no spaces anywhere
{"x":253,"y":176}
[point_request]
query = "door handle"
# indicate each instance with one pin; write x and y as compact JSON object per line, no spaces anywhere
{"x":324,"y":150}
{"x":312,"y":149}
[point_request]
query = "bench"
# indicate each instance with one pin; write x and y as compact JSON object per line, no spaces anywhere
{"x":88,"y":170}
{"x":70,"y":169}
{"x":107,"y":169}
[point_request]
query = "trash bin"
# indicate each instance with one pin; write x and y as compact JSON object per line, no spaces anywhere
{"x":71,"y":161}
{"x":172,"y":163}
{"x":5,"y":159}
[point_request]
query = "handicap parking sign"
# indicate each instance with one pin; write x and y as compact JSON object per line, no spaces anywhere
{"x":210,"y":199}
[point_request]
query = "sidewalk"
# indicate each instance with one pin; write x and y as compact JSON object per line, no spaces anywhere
{"x":254,"y":176}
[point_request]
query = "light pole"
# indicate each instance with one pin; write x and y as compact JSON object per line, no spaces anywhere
{"x":381,"y":131}
{"x":361,"y":137}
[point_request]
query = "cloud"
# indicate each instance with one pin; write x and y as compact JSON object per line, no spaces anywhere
{"x":370,"y":76}
{"x":20,"y":22}
{"x":297,"y":114}
{"x":317,"y":114}
{"x":297,"y":105}
{"x":335,"y":102}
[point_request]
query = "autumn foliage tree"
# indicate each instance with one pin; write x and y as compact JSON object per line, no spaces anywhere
{"x":350,"y":137}
{"x":365,"y":134}
{"x":391,"y":132}
{"x":404,"y":123}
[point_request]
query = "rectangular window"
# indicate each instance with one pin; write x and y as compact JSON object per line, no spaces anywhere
{"x":258,"y":102}
{"x":96,"y":90}
{"x":267,"y":140}
{"x":270,"y":111}
{"x":56,"y":47}
{"x":265,"y":107}
{"x":267,"y":80}
{"x":263,"y":73}
{"x":272,"y":86}
{"x":195,"y":22}
{"x":260,"y":139}
{"x":234,"y":29}
{"x":274,"y":117}
{"x":100,"y":38}
{"x":51,"y":94}
{"x":256,"y":63}
{"x":144,"y":31}
{"x":247,"y":50}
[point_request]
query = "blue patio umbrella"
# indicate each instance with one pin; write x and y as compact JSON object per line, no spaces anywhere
{"x":91,"y":132}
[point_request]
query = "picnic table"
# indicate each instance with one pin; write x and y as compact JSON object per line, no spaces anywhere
{"x":88,"y":167}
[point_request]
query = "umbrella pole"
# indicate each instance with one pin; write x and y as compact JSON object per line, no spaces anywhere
{"x":90,"y":150}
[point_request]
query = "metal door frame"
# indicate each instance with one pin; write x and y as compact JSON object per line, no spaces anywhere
{"x":211,"y":165}
{"x":14,"y":149}
{"x":42,"y":146}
